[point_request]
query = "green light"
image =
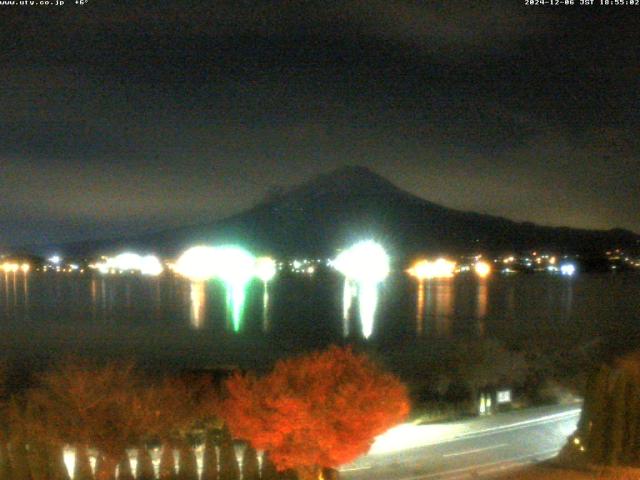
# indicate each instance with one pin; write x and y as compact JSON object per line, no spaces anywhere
{"x":236,"y":295}
{"x":265,"y":308}
{"x":235,"y":267}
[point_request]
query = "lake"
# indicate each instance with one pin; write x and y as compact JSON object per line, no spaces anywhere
{"x":170,"y":320}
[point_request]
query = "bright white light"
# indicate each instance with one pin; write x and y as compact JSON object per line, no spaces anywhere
{"x":198,"y":298}
{"x":102,"y":267}
{"x":69,"y":459}
{"x":151,"y":265}
{"x":368,"y":303}
{"x":265,"y":268}
{"x":233,"y":264}
{"x":421,"y":269}
{"x":483,"y":269}
{"x":198,"y":263}
{"x":127,"y":261}
{"x":567,"y":269}
{"x":366,"y":264}
{"x":365,"y":261}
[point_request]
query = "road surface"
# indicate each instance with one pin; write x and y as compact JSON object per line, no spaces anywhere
{"x":480,"y":448}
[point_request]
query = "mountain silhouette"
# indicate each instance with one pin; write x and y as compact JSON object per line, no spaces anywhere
{"x":336,"y":209}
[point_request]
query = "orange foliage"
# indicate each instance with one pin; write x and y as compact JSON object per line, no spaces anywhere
{"x":319,"y":410}
{"x":84,"y":404}
{"x":175,"y":406}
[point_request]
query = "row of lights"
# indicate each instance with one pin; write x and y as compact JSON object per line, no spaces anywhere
{"x":10,"y":267}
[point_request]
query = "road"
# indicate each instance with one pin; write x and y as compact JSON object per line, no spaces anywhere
{"x":481,"y":448}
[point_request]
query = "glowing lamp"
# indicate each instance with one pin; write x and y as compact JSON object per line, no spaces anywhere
{"x":443,"y":268}
{"x":425,"y":269}
{"x":365,"y":264}
{"x":197,"y":263}
{"x":421,"y":270}
{"x":482,"y":269}
{"x":365,"y":261}
{"x":567,"y":269}
{"x":265,"y":268}
{"x":233,"y":264}
{"x":127,"y":261}
{"x":10,"y":267}
{"x":151,"y":265}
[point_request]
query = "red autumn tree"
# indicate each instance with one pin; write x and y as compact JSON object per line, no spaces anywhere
{"x":90,"y":405}
{"x":319,"y":410}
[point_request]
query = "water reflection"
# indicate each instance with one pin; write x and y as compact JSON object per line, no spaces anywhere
{"x":482,"y":301}
{"x":265,"y":307}
{"x":15,"y":289}
{"x":25,"y":290}
{"x":236,"y":295}
{"x":567,"y":299}
{"x":6,"y":288}
{"x":197,"y":303}
{"x":368,"y":304}
{"x":434,"y":306}
{"x":442,"y":306}
{"x":349,"y":292}
{"x":420,"y":309}
{"x":103,"y":293}
{"x":115,"y":307}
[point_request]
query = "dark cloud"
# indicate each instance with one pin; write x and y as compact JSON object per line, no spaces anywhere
{"x":131,"y":116}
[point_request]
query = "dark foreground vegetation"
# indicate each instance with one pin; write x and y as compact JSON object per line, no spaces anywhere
{"x":606,"y":443}
{"x":311,"y":414}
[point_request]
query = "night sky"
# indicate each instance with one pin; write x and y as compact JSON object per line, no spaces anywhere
{"x":129,"y":116}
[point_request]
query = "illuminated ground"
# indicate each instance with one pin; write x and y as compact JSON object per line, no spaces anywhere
{"x":551,"y":472}
{"x":479,"y":448}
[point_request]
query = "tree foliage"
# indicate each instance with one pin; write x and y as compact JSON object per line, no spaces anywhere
{"x":85,"y":404}
{"x":323,"y":409}
{"x":609,"y":428}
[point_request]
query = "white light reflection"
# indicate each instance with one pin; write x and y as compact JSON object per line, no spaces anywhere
{"x":197,"y":297}
{"x":367,"y":265}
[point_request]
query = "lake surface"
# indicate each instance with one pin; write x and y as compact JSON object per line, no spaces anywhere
{"x":168,"y":319}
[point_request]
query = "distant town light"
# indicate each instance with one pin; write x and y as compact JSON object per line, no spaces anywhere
{"x":427,"y":269}
{"x":483,"y":269}
{"x":421,"y":269}
{"x":568,"y":269}
{"x":127,"y":261}
{"x":9,"y":267}
{"x":55,"y":259}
